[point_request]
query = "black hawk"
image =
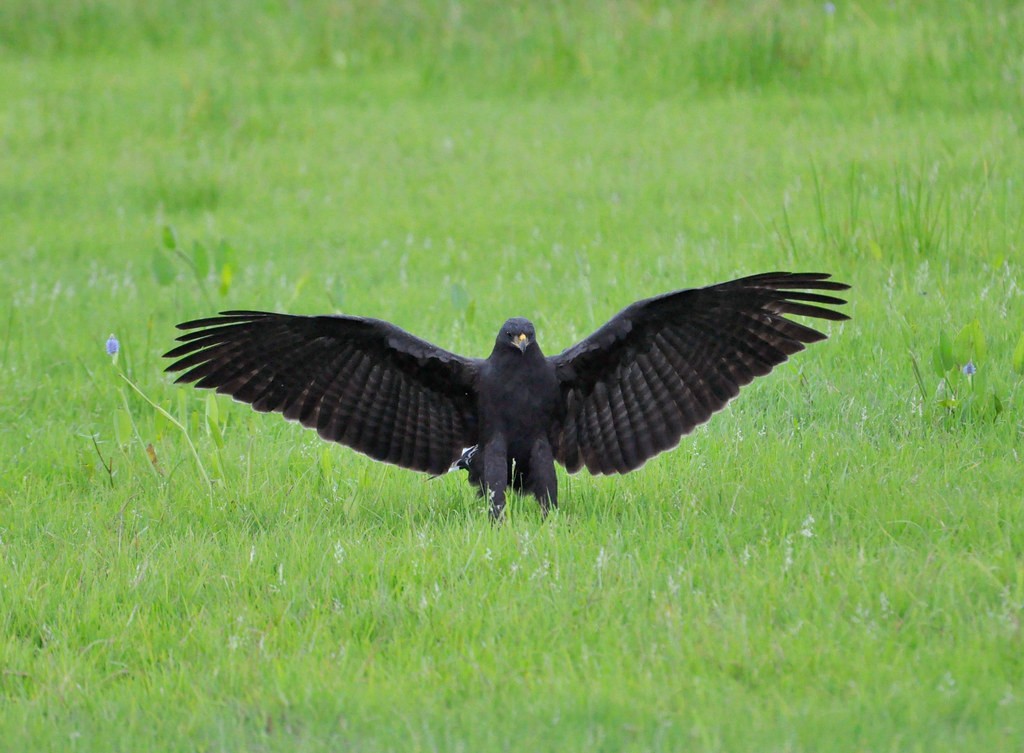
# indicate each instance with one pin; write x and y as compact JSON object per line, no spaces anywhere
{"x":659,"y":368}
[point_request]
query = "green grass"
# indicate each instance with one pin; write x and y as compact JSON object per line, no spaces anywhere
{"x":836,"y":562}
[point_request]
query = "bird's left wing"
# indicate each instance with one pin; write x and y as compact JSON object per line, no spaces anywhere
{"x":361,"y":382}
{"x":664,"y":365}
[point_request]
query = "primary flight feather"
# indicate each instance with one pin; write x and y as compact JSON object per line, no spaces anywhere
{"x":656,"y":370}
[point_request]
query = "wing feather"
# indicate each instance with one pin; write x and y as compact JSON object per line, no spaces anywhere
{"x":624,"y":429}
{"x":361,"y":382}
{"x":396,"y":447}
{"x":639,"y":393}
{"x":409,"y":452}
{"x":664,"y":365}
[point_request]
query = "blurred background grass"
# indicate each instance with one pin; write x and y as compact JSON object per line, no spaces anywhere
{"x":895,"y":51}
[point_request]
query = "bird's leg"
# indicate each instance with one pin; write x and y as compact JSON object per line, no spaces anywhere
{"x":496,"y":475}
{"x":543,"y":481}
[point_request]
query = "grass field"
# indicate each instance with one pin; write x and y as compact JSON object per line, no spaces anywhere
{"x":835,"y":562}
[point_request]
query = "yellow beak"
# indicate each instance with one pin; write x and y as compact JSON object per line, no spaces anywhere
{"x":521,"y":341}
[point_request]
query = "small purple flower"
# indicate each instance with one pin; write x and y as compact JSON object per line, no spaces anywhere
{"x":969,"y":368}
{"x":830,"y":8}
{"x":112,"y":346}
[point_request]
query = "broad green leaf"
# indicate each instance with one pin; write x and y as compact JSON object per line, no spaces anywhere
{"x":212,"y":408}
{"x":218,"y":466}
{"x":227,"y":274}
{"x":182,"y":406}
{"x":943,"y":356}
{"x":163,"y":269}
{"x":946,"y":348}
{"x":213,"y":425}
{"x":978,"y":341}
{"x":1018,"y":355}
{"x":215,"y":433}
{"x":170,"y":238}
{"x":161,"y":425}
{"x":969,"y":344}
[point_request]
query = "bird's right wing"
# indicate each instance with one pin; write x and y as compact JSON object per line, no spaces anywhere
{"x":664,"y":365}
{"x":361,"y":382}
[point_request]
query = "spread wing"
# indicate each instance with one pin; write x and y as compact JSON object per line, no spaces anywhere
{"x":664,"y":365}
{"x":362,"y":382}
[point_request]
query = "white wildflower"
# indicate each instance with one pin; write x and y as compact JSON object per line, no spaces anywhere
{"x":947,"y":685}
{"x":673,"y":586}
{"x":807,"y":531}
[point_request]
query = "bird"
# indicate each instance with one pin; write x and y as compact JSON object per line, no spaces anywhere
{"x":609,"y":403}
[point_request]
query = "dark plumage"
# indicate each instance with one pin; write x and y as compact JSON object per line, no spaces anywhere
{"x":629,"y":391}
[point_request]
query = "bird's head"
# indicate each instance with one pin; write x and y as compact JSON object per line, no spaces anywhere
{"x":516,"y":333}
